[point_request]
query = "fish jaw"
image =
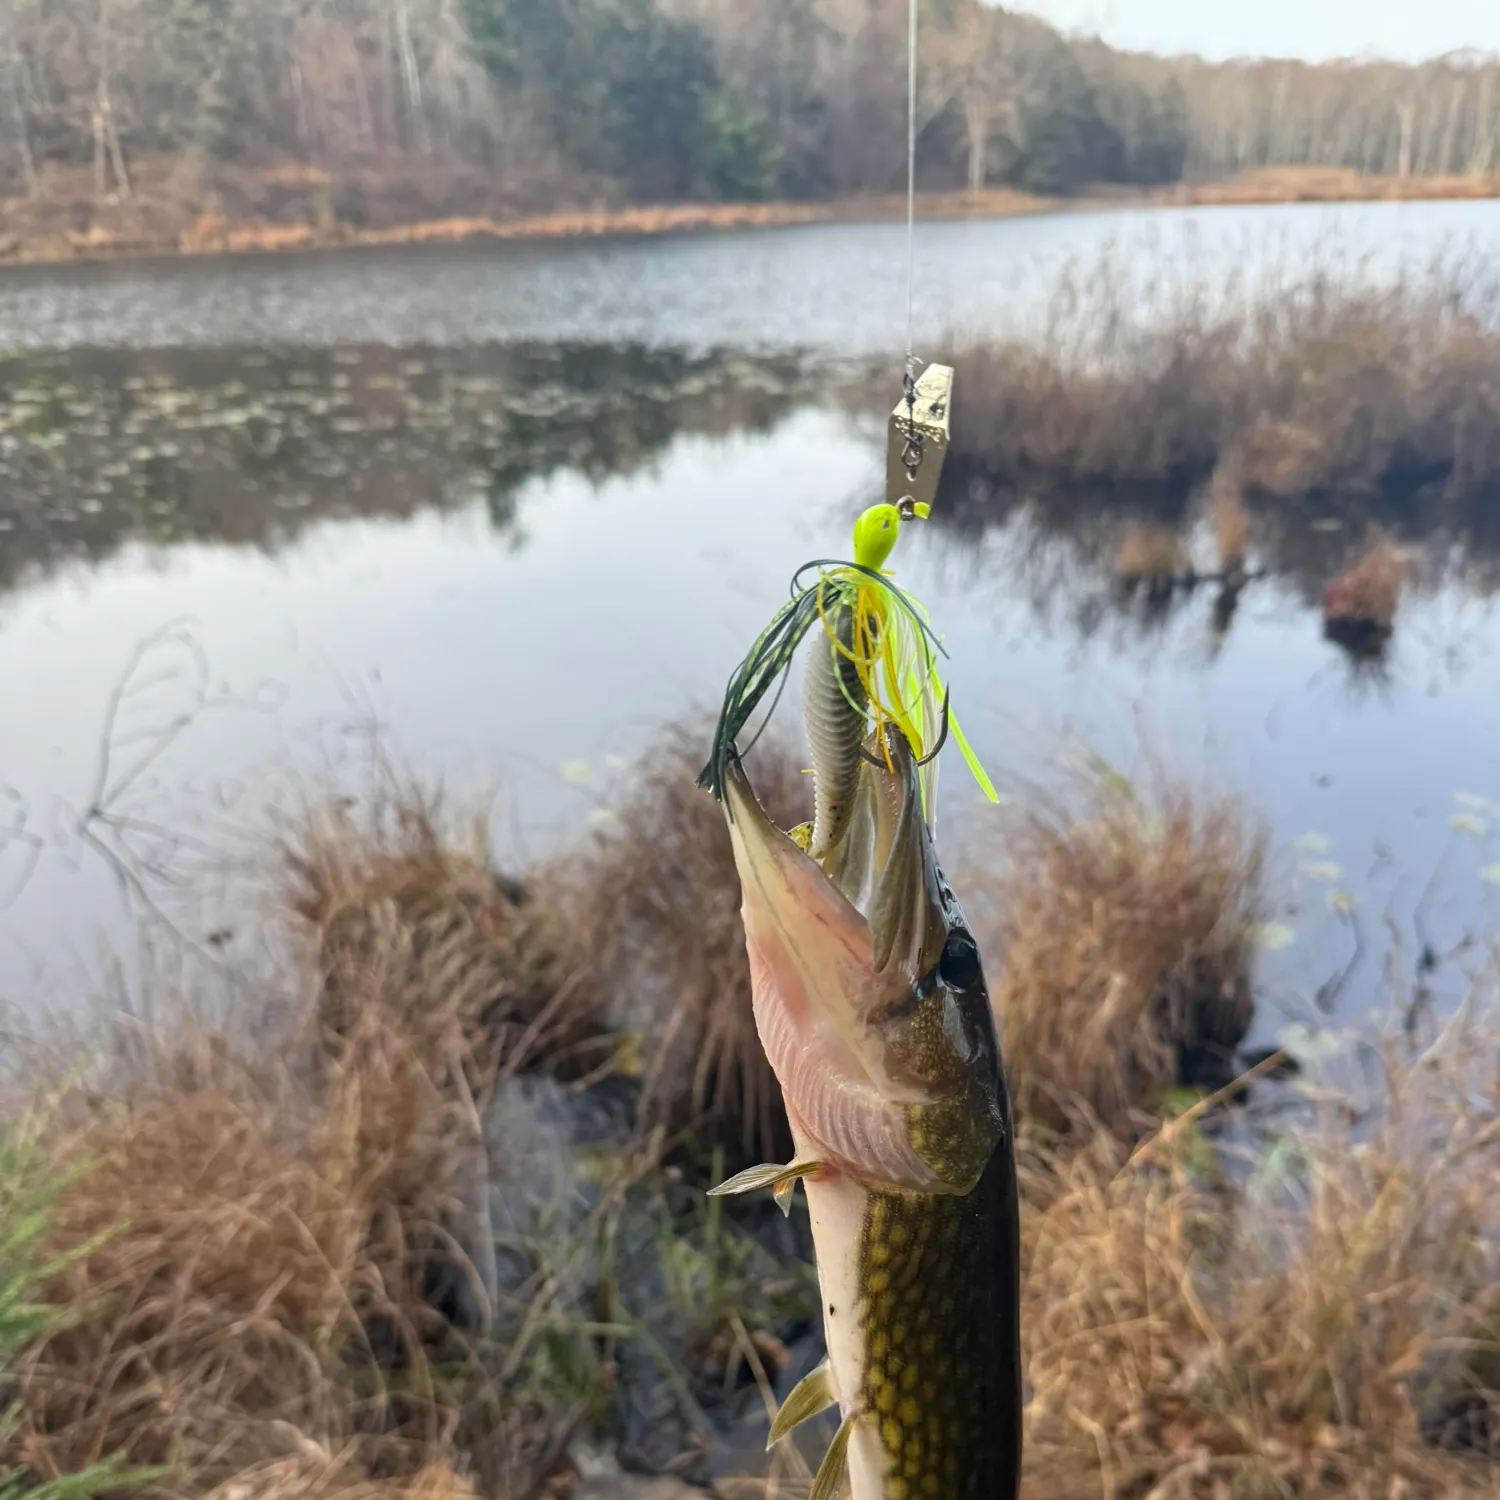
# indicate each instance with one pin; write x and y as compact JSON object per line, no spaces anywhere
{"x":877,"y":1027}
{"x":811,"y":974}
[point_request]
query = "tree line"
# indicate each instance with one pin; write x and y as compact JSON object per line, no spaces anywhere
{"x":660,"y":100}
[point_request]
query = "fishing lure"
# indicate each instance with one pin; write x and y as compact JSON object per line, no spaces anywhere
{"x":875,"y":671}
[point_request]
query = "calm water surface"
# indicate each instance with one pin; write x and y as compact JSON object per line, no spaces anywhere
{"x":503,"y":510}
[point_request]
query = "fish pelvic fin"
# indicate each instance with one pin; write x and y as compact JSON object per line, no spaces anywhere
{"x":782,"y":1180}
{"x":833,"y":1472}
{"x":810,"y":1396}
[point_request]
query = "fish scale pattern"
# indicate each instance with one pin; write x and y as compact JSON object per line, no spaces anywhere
{"x":941,"y":1381}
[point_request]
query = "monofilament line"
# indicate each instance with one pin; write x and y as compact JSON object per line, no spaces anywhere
{"x":911,"y":178}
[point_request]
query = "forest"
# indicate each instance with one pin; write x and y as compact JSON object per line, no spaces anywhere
{"x":556,"y":102}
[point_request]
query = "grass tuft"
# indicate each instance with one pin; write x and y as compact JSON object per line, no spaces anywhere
{"x":1271,"y":1331}
{"x":1148,"y":554}
{"x":1231,"y":526}
{"x":1122,"y":925}
{"x":1368,"y":593}
{"x":411,"y":917}
{"x":1330,"y":386}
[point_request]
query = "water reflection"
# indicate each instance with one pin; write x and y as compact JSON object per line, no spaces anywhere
{"x":248,"y":446}
{"x":1060,"y":550}
{"x":520,"y":558}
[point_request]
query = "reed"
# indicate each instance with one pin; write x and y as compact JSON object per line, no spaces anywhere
{"x":1120,"y":924}
{"x":1328,"y":386}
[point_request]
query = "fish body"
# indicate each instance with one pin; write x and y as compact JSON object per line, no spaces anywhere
{"x":871,"y":1005}
{"x":919,"y":1309}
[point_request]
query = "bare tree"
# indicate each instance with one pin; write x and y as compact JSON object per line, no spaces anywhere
{"x":14,"y":65}
{"x":106,"y":134}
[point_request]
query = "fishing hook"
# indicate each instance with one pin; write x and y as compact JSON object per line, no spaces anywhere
{"x":872,"y":759}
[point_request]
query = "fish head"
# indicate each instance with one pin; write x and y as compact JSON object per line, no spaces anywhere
{"x":869,"y":991}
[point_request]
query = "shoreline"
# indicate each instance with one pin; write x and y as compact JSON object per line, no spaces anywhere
{"x":211,"y":235}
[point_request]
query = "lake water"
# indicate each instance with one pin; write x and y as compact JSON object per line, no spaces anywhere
{"x":501,"y":510}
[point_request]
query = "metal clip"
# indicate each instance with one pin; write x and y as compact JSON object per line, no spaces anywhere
{"x":918,"y":440}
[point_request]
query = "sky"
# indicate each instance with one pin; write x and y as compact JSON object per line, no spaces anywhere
{"x":1315,"y":29}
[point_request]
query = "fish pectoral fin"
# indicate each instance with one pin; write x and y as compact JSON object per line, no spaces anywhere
{"x":811,"y":1395}
{"x":782,"y":1180}
{"x":801,"y":835}
{"x":828,"y":1483}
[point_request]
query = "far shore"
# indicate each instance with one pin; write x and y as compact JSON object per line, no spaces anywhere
{"x":22,"y":243}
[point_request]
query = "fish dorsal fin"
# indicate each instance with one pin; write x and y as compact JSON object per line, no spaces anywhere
{"x":782,"y":1180}
{"x":811,"y":1395}
{"x":828,"y":1483}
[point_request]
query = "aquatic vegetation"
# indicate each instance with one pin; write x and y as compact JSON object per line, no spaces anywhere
{"x":30,"y":1187}
{"x":1231,"y":527}
{"x":1367,"y":595}
{"x":1148,"y":554}
{"x":1293,"y":1329}
{"x":399,"y":910}
{"x":1376,"y":398}
{"x":251,"y":447}
{"x":1122,"y":919}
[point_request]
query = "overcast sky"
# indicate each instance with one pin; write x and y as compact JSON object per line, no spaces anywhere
{"x":1406,"y":29}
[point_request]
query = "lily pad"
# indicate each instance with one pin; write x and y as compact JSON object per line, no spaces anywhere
{"x":1311,"y":1046}
{"x":1274,"y":936}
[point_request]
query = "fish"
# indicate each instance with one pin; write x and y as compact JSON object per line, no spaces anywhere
{"x":871,"y":1004}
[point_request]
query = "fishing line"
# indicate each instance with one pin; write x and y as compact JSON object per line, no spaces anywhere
{"x":911,"y":194}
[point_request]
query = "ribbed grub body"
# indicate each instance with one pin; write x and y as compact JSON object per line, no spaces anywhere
{"x":833,"y":706}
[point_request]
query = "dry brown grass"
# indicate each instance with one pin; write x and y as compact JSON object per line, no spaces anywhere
{"x":1121,"y":931}
{"x":1368,"y":593}
{"x":282,"y":1247}
{"x":1148,"y":553}
{"x":315,"y":1474}
{"x":659,"y":906}
{"x":257,"y":1300}
{"x":1284,"y":1337}
{"x":1317,"y":184}
{"x":408,"y":913}
{"x":405,"y":201}
{"x":1231,"y":525}
{"x":1330,"y":387}
{"x":256,"y":1270}
{"x":1277,"y":458}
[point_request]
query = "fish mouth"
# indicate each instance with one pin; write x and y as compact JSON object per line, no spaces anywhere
{"x":868,"y":995}
{"x":880,"y":886}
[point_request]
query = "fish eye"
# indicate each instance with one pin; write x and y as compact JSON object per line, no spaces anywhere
{"x":958,"y":967}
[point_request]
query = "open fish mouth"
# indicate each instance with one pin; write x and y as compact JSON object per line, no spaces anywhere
{"x":868,"y":989}
{"x":884,"y":866}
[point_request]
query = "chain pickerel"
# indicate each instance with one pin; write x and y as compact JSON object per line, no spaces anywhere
{"x":870,"y":1001}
